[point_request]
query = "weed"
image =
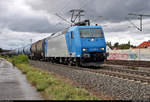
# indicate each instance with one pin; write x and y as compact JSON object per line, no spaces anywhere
{"x":20,"y":59}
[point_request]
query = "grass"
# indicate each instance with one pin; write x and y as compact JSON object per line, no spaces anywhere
{"x":51,"y":88}
{"x":6,"y":57}
{"x":20,"y":59}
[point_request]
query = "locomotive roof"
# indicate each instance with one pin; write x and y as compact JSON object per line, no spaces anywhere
{"x":53,"y":35}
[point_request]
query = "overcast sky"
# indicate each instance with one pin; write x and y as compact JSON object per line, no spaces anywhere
{"x":23,"y":20}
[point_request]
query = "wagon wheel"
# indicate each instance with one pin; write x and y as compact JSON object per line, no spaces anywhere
{"x":70,"y":63}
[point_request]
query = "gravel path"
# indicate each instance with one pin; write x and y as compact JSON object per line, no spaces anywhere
{"x":111,"y":86}
{"x":13,"y":85}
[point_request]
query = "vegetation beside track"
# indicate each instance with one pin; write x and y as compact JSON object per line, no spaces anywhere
{"x":51,"y":88}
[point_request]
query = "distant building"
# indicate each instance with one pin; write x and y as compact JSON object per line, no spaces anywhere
{"x":145,"y":44}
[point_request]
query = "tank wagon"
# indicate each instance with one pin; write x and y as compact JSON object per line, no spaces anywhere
{"x":37,"y":50}
{"x":27,"y":51}
{"x":20,"y":50}
{"x":23,"y":50}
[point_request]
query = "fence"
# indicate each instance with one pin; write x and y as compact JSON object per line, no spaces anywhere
{"x":130,"y":54}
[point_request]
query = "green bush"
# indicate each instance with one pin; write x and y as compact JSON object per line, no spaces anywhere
{"x":20,"y":59}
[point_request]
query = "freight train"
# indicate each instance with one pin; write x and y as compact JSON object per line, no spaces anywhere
{"x":80,"y":44}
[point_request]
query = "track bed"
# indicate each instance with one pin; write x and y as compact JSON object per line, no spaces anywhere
{"x":129,"y":63}
{"x":110,"y":83}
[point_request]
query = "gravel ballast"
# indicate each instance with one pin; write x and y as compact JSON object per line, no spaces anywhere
{"x":115,"y":87}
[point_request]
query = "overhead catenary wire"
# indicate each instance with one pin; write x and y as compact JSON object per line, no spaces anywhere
{"x":60,"y":13}
{"x":86,"y":3}
{"x":69,"y":4}
{"x":62,"y":18}
{"x":140,"y":16}
{"x":133,"y":23}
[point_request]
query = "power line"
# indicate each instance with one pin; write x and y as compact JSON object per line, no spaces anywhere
{"x":61,"y":11}
{"x":140,"y":16}
{"x":62,"y":18}
{"x":67,"y":3}
{"x":76,"y":13}
{"x":84,"y":4}
{"x":94,"y":20}
{"x":133,"y":23}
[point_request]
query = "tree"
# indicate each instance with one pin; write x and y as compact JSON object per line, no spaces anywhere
{"x":128,"y":42}
{"x":124,"y":46}
{"x":116,"y":45}
{"x":109,"y":44}
{"x":1,"y":50}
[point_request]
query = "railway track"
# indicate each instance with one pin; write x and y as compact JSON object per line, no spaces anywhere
{"x":134,"y":71}
{"x":129,"y":74}
{"x":129,"y":63}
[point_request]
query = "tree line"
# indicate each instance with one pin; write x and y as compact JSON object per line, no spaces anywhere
{"x":120,"y":46}
{"x":2,"y":50}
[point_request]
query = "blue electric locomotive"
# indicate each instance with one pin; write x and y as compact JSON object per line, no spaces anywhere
{"x":78,"y":45}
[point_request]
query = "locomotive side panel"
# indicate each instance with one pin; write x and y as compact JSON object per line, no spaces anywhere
{"x":56,"y":47}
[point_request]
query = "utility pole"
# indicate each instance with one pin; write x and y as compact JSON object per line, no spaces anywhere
{"x":140,"y":16}
{"x":76,"y":13}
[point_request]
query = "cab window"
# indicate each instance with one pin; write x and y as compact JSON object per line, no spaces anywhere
{"x":91,"y":32}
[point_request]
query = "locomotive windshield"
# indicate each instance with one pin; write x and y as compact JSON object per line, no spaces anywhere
{"x":91,"y":32}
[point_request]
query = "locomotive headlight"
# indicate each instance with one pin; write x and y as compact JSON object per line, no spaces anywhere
{"x":102,"y":48}
{"x":92,"y":39}
{"x":84,"y":49}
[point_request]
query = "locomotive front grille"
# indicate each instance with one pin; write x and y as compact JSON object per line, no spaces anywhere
{"x":93,"y":57}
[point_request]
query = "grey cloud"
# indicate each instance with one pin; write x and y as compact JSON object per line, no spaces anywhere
{"x":111,"y":10}
{"x":27,"y":23}
{"x":10,"y":39}
{"x":24,"y":22}
{"x":31,"y":24}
